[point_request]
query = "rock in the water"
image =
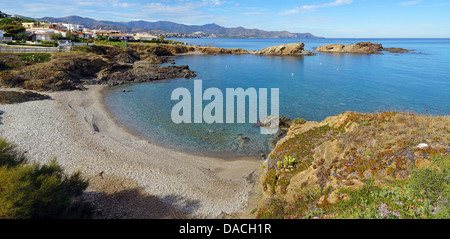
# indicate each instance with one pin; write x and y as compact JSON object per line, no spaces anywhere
{"x":292,"y":49}
{"x":361,"y":48}
{"x":283,"y":122}
{"x":217,"y":50}
{"x":396,"y":50}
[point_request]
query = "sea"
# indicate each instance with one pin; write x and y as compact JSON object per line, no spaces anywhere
{"x":310,"y":87}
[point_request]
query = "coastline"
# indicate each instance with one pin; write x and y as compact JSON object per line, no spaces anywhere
{"x":76,"y":128}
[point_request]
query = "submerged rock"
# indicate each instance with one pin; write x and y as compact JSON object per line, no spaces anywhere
{"x":396,"y":50}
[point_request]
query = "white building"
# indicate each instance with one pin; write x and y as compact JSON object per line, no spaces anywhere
{"x":73,"y":27}
{"x":44,"y":35}
{"x":145,"y":37}
{"x":3,"y":38}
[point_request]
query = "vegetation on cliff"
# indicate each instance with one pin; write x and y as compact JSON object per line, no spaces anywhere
{"x":384,"y":165}
{"x":38,"y":191}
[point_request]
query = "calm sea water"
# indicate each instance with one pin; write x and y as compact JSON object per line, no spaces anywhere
{"x":311,"y":87}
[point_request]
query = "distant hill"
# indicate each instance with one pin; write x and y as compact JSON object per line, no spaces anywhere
{"x":171,"y":27}
{"x":88,"y":22}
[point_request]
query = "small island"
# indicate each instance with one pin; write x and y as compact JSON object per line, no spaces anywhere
{"x":359,"y":48}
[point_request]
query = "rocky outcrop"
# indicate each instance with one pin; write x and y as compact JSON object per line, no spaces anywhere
{"x":284,"y":124}
{"x":396,"y":50}
{"x":97,"y":65}
{"x":140,"y":72}
{"x":217,"y":50}
{"x":347,"y":150}
{"x":293,"y":49}
{"x":10,"y":97}
{"x":63,"y":72}
{"x":359,"y":48}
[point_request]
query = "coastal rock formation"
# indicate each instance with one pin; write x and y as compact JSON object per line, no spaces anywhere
{"x":63,"y":72}
{"x":217,"y":50}
{"x":346,"y":151}
{"x":109,"y":65}
{"x":359,"y":48}
{"x":10,"y":97}
{"x":285,"y":50}
{"x":284,"y":124}
{"x":140,"y":72}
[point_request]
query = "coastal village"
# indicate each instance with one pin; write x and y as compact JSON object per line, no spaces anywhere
{"x":35,"y":32}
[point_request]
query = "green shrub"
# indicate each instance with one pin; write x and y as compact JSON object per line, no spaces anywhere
{"x":287,"y":163}
{"x":299,"y":121}
{"x":433,"y":184}
{"x":35,"y":57}
{"x":44,"y":44}
{"x":8,"y":155}
{"x":34,"y":191}
{"x":429,"y":183}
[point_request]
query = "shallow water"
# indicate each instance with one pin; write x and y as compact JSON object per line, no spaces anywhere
{"x":311,"y":87}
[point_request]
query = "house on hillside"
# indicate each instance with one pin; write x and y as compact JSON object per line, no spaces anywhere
{"x":28,"y":25}
{"x":100,"y":32}
{"x":44,"y":35}
{"x":3,"y":38}
{"x":122,"y":37}
{"x":39,"y":24}
{"x":57,"y":26}
{"x":144,"y":37}
{"x":73,"y":27}
{"x":89,"y":35}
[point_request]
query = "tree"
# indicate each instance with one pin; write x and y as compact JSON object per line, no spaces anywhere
{"x":57,"y":36}
{"x":12,"y":30}
{"x":21,"y":36}
{"x":72,"y":36}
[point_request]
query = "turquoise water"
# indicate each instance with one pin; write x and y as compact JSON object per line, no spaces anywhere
{"x":311,"y":87}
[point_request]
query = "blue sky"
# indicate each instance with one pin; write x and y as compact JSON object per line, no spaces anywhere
{"x":328,"y":18}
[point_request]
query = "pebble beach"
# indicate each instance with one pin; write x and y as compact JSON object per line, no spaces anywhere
{"x":129,"y":176}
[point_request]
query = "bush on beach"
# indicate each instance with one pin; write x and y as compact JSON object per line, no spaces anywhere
{"x":38,"y":191}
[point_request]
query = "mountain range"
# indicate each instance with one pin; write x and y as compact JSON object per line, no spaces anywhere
{"x":171,"y":27}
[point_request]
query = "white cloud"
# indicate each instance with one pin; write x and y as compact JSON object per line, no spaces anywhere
{"x":308,"y":8}
{"x":409,"y":3}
